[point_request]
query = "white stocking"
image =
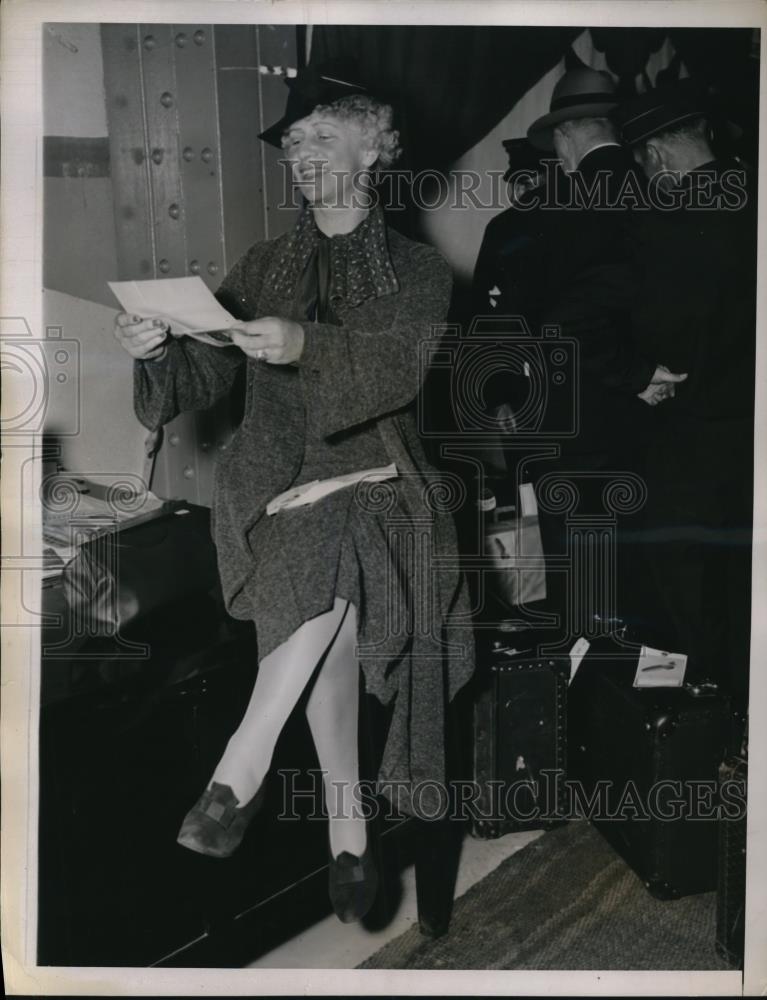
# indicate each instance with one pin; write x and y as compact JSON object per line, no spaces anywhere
{"x":282,"y":677}
{"x":332,"y":711}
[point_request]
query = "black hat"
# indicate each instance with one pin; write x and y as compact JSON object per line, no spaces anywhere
{"x":661,"y":109}
{"x":580,"y":93}
{"x":522,"y":155}
{"x":311,"y":86}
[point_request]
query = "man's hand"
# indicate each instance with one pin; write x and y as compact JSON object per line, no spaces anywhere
{"x":271,"y":339}
{"x":143,"y":339}
{"x":662,"y":386}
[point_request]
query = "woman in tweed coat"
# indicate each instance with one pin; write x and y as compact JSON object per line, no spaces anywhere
{"x":336,"y":311}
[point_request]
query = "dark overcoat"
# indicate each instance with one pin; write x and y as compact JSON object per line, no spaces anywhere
{"x":696,"y":313}
{"x":389,"y":295}
{"x":589,"y":288}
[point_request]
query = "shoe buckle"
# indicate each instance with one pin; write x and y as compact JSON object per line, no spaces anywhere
{"x":352,"y":875}
{"x":220,"y":812}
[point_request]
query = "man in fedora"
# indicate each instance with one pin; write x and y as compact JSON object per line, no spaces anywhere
{"x":696,"y":312}
{"x":588,"y":283}
{"x":590,"y":263}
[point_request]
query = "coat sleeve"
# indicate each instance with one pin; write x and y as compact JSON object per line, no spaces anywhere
{"x":193,"y":375}
{"x":351,"y":375}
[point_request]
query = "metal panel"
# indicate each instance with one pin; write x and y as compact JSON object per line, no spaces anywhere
{"x":198,"y":140}
{"x":162,"y":129}
{"x":176,"y":469}
{"x":241,"y":149}
{"x":127,"y":150}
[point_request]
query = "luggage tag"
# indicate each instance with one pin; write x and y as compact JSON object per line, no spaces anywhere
{"x":577,"y":653}
{"x":658,"y":668}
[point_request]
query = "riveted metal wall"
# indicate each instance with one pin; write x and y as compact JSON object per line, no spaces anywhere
{"x":193,"y":185}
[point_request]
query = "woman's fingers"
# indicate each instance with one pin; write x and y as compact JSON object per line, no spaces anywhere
{"x":135,"y":324}
{"x":141,"y":338}
{"x":255,"y":345}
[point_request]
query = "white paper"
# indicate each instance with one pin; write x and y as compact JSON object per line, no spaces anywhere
{"x":309,"y":493}
{"x":658,"y":668}
{"x":186,"y":304}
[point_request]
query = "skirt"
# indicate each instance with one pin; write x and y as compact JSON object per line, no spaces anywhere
{"x":353,"y":544}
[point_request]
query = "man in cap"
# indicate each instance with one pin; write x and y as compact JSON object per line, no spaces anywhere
{"x":508,"y":275}
{"x":696,"y":312}
{"x":508,"y":271}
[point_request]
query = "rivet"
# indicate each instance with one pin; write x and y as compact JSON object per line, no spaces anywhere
{"x":167,"y":99}
{"x":188,"y":472}
{"x":173,"y":439}
{"x":194,"y":266}
{"x":149,"y":42}
{"x":174,"y":211}
{"x":164,"y":265}
{"x":199,"y":37}
{"x":206,"y":155}
{"x":188,"y":153}
{"x":181,"y":39}
{"x":157,"y":155}
{"x":212,"y":268}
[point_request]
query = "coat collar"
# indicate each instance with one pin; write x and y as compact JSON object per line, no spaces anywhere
{"x":361,"y":267}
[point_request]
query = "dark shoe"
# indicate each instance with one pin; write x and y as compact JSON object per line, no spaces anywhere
{"x":352,"y":884}
{"x":214,"y":825}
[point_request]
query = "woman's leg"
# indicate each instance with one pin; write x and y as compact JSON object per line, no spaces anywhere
{"x":332,"y":711}
{"x":282,"y":677}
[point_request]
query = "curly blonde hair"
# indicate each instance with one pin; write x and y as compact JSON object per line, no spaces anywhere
{"x":373,"y":119}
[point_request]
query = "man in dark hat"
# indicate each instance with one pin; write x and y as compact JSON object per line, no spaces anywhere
{"x":588,"y":282}
{"x":696,"y":313}
{"x":590,"y":271}
{"x":508,"y":272}
{"x":508,"y":280}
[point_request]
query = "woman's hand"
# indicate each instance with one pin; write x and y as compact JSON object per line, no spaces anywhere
{"x":143,"y":339}
{"x":271,"y":339}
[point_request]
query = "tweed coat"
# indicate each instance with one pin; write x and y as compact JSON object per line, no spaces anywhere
{"x":388,"y":293}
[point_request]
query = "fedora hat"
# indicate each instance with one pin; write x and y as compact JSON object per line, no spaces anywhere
{"x":580,"y":93}
{"x":311,"y":86}
{"x":661,"y":109}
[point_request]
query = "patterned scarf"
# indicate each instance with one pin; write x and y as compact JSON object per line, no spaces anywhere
{"x":359,"y":264}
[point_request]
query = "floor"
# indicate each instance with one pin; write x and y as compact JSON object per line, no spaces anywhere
{"x":332,"y":945}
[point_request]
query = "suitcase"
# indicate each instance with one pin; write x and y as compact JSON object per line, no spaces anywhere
{"x":519,"y":742}
{"x":731,"y":886}
{"x":643,"y":761}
